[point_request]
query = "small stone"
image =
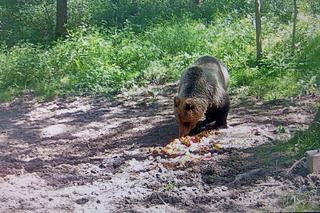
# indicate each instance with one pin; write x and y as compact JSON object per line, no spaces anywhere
{"x":224,"y":188}
{"x":82,"y":201}
{"x":102,"y":166}
{"x":259,"y":204}
{"x":233,"y":196}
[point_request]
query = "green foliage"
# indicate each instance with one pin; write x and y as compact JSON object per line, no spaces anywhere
{"x":14,"y":71}
{"x":22,"y":20}
{"x":314,"y":6}
{"x":280,"y":73}
{"x":105,"y":59}
{"x":187,"y":37}
{"x":281,"y":9}
{"x":34,"y":20}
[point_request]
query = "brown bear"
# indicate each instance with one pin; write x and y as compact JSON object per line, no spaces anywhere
{"x":202,"y":92}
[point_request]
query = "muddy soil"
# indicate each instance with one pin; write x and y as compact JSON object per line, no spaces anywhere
{"x":92,"y":155}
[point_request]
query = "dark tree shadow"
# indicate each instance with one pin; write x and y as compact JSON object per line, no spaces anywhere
{"x":143,"y":124}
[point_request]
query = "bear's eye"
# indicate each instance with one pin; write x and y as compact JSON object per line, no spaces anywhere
{"x":189,"y":107}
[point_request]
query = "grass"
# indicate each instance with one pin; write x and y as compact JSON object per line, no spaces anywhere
{"x":98,"y":60}
{"x":300,"y":202}
{"x":302,"y":140}
{"x":288,"y":151}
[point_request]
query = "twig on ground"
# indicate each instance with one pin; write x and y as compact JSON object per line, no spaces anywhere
{"x":289,"y":171}
{"x":269,"y":184}
{"x":270,"y":137}
{"x":162,"y":200}
{"x":97,"y":157}
{"x":246,"y":175}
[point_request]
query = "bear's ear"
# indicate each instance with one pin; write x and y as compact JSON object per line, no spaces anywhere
{"x":189,"y":104}
{"x":176,"y":101}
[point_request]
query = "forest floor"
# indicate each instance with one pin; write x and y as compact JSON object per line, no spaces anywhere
{"x":92,"y":155}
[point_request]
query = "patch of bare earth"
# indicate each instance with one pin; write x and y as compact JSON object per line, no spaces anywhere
{"x":92,"y":155}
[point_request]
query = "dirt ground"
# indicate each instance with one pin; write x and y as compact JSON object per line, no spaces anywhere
{"x":92,"y":155}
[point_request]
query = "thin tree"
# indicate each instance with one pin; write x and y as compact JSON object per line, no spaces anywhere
{"x":258,"y":29}
{"x":61,"y":29}
{"x":294,"y":23}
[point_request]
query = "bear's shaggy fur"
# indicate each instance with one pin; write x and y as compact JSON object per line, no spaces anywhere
{"x":202,"y":92}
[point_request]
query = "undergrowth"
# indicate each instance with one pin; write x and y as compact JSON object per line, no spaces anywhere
{"x":105,"y":60}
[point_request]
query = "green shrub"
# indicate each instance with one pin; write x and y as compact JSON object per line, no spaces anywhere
{"x":20,"y":66}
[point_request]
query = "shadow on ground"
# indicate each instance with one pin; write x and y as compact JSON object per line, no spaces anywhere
{"x":92,"y":127}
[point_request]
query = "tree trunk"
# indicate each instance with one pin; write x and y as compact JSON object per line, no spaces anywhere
{"x":258,"y":29}
{"x":294,"y":23}
{"x":61,"y":29}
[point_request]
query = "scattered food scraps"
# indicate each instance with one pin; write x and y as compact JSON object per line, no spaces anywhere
{"x":190,"y":147}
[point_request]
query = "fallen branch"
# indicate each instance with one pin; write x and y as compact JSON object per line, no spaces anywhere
{"x":162,"y":200}
{"x":289,"y":171}
{"x":267,"y":135}
{"x":97,"y":157}
{"x":246,"y":175}
{"x":272,"y":138}
{"x":269,"y":184}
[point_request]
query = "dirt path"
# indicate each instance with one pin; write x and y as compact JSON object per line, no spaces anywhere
{"x":92,"y":155}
